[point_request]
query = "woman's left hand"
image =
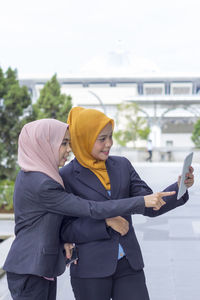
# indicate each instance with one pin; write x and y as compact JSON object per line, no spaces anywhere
{"x":189,"y":178}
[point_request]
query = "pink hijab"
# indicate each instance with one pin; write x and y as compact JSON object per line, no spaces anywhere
{"x":38,"y":147}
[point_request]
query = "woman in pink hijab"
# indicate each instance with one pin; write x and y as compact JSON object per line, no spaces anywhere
{"x":36,"y":256}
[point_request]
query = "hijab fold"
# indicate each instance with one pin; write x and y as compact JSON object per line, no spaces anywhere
{"x":85,"y":126}
{"x":38,"y":147}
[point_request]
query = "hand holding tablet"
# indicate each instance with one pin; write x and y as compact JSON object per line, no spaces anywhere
{"x":186,"y":165}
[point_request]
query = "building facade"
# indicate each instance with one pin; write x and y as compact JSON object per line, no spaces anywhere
{"x":170,"y":104}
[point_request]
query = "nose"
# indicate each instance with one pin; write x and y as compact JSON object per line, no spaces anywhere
{"x":69,"y":148}
{"x":109,"y":142}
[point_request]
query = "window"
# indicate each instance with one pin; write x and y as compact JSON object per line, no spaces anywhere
{"x":181,"y":88}
{"x":154,"y":88}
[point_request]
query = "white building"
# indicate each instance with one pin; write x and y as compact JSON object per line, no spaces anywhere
{"x":169,"y":102}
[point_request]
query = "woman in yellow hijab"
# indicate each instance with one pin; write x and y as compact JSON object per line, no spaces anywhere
{"x":110,"y":263}
{"x":85,"y":126}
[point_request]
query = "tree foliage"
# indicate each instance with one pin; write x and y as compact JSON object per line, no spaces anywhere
{"x":131,"y":126}
{"x":14,"y":113}
{"x":196,"y":134}
{"x":51,"y":103}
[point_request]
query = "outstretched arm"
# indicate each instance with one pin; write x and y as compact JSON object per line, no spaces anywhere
{"x":53,"y":198}
{"x":172,"y":202}
{"x":139,"y":187}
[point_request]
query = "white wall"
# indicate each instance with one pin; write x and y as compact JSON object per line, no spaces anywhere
{"x":179,"y":139}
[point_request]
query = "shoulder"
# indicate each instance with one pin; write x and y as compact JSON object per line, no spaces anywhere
{"x":32,"y":178}
{"x":68,"y":174}
{"x":34,"y":185}
{"x":67,"y":169}
{"x":121,"y":162}
{"x":37,"y":180}
{"x":118,"y":160}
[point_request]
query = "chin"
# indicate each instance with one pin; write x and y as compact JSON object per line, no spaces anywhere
{"x":104,"y":158}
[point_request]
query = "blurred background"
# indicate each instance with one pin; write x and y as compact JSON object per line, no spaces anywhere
{"x":137,"y":61}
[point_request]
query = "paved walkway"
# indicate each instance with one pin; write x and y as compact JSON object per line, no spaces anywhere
{"x":170,"y":243}
{"x":7,"y":233}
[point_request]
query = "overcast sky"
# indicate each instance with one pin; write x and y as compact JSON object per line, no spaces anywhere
{"x":41,"y":37}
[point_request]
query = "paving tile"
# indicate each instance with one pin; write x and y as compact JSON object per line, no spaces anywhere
{"x":181,"y":228}
{"x":4,"y":293}
{"x":6,"y":228}
{"x":4,"y":248}
{"x":196,"y":228}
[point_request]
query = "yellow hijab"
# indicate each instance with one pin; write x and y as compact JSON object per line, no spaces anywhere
{"x":85,"y":126}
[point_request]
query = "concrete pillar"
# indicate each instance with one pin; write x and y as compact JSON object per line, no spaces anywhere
{"x":155,"y":135}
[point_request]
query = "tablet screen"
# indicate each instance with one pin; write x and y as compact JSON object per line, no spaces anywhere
{"x":187,"y":163}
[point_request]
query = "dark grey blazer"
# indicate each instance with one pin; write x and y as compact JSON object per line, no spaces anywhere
{"x":98,"y":250}
{"x":39,"y":205}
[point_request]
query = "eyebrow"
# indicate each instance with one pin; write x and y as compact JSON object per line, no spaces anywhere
{"x":66,"y":139}
{"x":102,"y":135}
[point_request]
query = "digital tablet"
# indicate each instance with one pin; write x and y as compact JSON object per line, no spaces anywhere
{"x":187,"y":163}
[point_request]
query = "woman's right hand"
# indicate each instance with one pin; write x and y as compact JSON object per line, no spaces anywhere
{"x":68,"y":250}
{"x":155,"y":200}
{"x":119,"y":224}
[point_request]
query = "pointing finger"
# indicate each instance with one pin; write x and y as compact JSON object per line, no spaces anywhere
{"x":167,"y":194}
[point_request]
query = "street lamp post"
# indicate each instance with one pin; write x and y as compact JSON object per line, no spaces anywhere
{"x":99,"y":99}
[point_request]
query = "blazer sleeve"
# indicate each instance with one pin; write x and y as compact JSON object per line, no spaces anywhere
{"x":53,"y":198}
{"x":84,"y":230}
{"x":171,"y":202}
{"x":139,"y":187}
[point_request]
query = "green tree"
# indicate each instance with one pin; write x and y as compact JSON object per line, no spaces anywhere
{"x":51,"y":103}
{"x":14,"y":113}
{"x":131,"y":126}
{"x":196,"y":134}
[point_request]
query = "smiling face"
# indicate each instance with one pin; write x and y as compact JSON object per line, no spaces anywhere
{"x":103,"y":143}
{"x":65,"y":149}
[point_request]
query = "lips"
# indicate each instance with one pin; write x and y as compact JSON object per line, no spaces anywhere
{"x":105,"y":152}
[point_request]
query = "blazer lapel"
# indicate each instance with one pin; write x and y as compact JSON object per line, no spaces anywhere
{"x":89,"y":179}
{"x":115,"y":177}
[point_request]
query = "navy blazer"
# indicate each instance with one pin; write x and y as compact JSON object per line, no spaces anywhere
{"x":98,"y":246}
{"x":39,"y":205}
